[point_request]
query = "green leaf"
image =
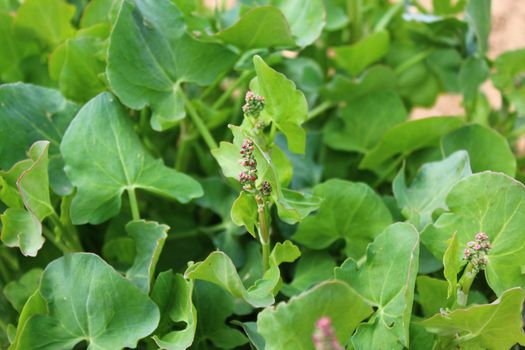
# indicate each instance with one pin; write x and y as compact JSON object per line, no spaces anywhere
{"x":261,"y":27}
{"x":35,"y":305}
{"x":491,"y":203}
{"x":432,"y":295}
{"x":313,"y":267}
{"x":495,"y":326}
{"x":173,"y":293}
{"x":87,"y":300}
{"x":47,"y":20}
{"x":452,"y":265}
{"x":363,"y":121}
{"x":477,"y":14}
{"x":289,"y":326}
{"x":488,"y":150}
{"x":18,"y":292}
{"x":351,"y":211}
{"x":104,"y":157}
{"x":168,"y":58}
{"x":430,"y":187}
{"x":29,"y":114}
{"x":220,"y":270}
{"x":244,"y":212}
{"x":10,"y":51}
{"x":405,"y":138}
{"x":21,"y":229}
{"x":386,"y":280}
{"x":149,"y":238}
{"x":354,"y":58}
{"x":78,"y":63}
{"x":509,"y":78}
{"x":284,"y":104}
{"x":306,"y":18}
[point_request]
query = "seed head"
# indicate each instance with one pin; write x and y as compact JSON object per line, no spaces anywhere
{"x":266,"y":188}
{"x":477,"y":250}
{"x":254,"y":105}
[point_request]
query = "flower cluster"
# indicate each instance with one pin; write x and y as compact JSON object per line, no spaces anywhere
{"x":248,"y":176}
{"x":476,"y":252}
{"x":324,"y":335}
{"x":254,"y":105}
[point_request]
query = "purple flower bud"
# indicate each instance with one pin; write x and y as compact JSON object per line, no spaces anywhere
{"x":254,"y":105}
{"x":324,"y":335}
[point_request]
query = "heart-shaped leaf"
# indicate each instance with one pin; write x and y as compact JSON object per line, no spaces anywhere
{"x":351,"y":211}
{"x":289,"y":326}
{"x":87,"y":300}
{"x":168,"y":57}
{"x":104,"y":157}
{"x":491,"y":203}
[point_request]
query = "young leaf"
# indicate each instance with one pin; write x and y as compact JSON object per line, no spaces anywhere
{"x":244,"y":212}
{"x":430,"y":187}
{"x":18,"y":292}
{"x":405,"y":138}
{"x":31,"y":113}
{"x":495,"y":326}
{"x":491,"y":203}
{"x":220,"y":270}
{"x":352,"y":211}
{"x":452,"y":264}
{"x":149,"y":238}
{"x":488,"y":150}
{"x":247,"y":33}
{"x":354,"y":58}
{"x":104,"y":157}
{"x":172,"y":293}
{"x":21,"y":229}
{"x":509,"y":78}
{"x":432,"y":295}
{"x":284,"y":104}
{"x":10,"y":51}
{"x":168,"y":58}
{"x":386,"y":280}
{"x":363,"y":121}
{"x":87,"y":300}
{"x":477,"y":15}
{"x":289,"y":326}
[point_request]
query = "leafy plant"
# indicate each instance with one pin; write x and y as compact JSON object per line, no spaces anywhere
{"x":178,"y":175}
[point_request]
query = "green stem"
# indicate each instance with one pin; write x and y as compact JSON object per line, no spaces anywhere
{"x":354,"y":9}
{"x":388,"y":16}
{"x":464,"y":285}
{"x":3,"y":326}
{"x":412,"y":61}
{"x":229,"y":91}
{"x":51,"y":237}
{"x":135,"y":213}
{"x":389,"y":170}
{"x":4,"y":272}
{"x":199,"y":124}
{"x":264,"y":233}
{"x":67,"y":236}
{"x":212,"y":87}
{"x":319,"y":109}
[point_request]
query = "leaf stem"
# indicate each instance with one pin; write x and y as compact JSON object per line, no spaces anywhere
{"x":50,"y":236}
{"x":199,"y":124}
{"x":320,"y":109}
{"x":264,"y":232}
{"x":229,"y":91}
{"x":412,"y":61}
{"x":67,"y":236}
{"x":135,"y":213}
{"x":464,"y":285}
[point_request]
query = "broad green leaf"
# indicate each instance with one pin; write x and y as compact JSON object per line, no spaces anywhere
{"x":289,"y":326}
{"x":21,"y":229}
{"x":432,"y":295}
{"x":377,"y":79}
{"x":261,"y":27}
{"x":47,"y":20}
{"x":488,"y":150}
{"x":430,"y":187}
{"x":306,"y":18}
{"x":336,"y":14}
{"x":244,"y":212}
{"x":78,"y":63}
{"x":31,"y":113}
{"x":354,"y":58}
{"x":495,"y":326}
{"x":491,"y":203}
{"x":284,"y":104}
{"x":405,"y":138}
{"x":509,"y":78}
{"x":172,"y":293}
{"x":363,"y":121}
{"x":214,"y":306}
{"x":349,"y":211}
{"x":220,"y":270}
{"x":386,"y":280}
{"x":87,"y":300}
{"x":99,"y":12}
{"x":477,"y":14}
{"x":474,"y":71}
{"x":104,"y":157}
{"x":18,"y":292}
{"x":35,"y":305}
{"x":313,"y":267}
{"x":10,"y":50}
{"x":168,"y":57}
{"x":452,"y":265}
{"x":149,"y":238}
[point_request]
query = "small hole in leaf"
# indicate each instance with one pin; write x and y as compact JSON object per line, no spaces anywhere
{"x":81,"y":346}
